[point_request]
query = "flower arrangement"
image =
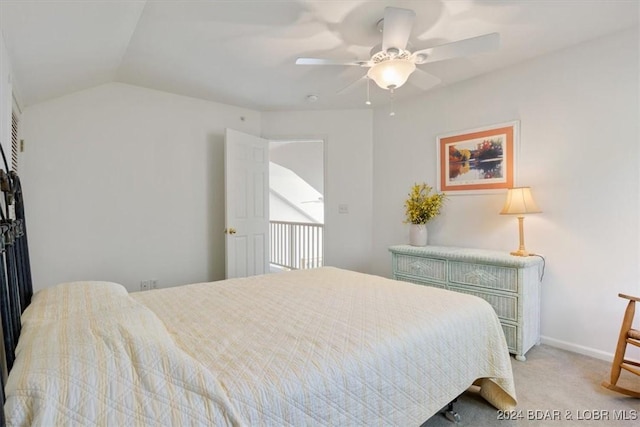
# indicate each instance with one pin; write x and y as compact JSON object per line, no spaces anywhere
{"x":422,"y":206}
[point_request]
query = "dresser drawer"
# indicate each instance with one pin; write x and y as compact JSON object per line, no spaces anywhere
{"x":426,"y":268}
{"x":511,"y":335}
{"x":417,"y":281}
{"x":506,"y":306}
{"x":487,"y":276}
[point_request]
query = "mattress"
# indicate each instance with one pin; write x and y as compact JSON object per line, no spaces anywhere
{"x":311,"y":347}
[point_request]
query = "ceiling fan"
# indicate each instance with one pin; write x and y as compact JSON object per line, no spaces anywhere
{"x":391,"y":66}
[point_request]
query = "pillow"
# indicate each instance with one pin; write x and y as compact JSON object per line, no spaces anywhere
{"x":76,"y":299}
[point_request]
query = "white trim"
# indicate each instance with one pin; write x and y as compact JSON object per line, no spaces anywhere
{"x":576,"y":348}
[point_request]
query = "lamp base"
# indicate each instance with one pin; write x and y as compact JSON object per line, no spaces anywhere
{"x":520,"y":252}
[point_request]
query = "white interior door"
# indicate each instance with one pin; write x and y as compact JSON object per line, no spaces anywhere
{"x":246,"y":169}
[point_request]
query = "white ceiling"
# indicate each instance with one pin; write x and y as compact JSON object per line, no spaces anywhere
{"x":243,"y":52}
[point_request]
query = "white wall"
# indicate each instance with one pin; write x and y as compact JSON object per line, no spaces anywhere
{"x":578,"y":111}
{"x":296,"y":180}
{"x":305,"y":158}
{"x":291,"y":198}
{"x":348,"y":170}
{"x":125,"y":184}
{"x":6,"y":99}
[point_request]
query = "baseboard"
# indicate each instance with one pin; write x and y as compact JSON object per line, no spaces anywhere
{"x":587,"y":351}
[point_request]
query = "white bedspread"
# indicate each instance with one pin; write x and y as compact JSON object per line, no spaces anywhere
{"x":317,"y":347}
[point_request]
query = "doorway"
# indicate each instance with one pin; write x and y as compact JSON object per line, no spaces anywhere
{"x":296,"y":204}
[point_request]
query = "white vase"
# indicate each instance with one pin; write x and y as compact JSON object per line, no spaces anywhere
{"x":418,"y":235}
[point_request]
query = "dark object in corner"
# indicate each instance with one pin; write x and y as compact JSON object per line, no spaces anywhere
{"x":15,"y":272}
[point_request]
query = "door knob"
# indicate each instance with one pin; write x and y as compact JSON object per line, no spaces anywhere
{"x":230,"y":230}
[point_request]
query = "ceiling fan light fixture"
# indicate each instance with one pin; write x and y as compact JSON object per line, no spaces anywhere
{"x":391,"y":74}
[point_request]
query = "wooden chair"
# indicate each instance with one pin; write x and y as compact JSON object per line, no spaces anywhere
{"x":628,"y":335}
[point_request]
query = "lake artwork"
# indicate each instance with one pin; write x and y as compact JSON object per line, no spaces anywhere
{"x":482,"y":159}
{"x":477,"y":160}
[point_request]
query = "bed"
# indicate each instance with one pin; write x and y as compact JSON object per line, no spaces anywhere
{"x":311,"y":347}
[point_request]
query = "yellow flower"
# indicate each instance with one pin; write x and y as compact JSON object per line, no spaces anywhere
{"x":421,"y":206}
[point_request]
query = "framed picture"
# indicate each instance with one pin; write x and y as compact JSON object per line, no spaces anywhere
{"x":481,"y":160}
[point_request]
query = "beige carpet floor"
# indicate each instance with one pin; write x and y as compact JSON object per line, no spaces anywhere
{"x":555,"y":388}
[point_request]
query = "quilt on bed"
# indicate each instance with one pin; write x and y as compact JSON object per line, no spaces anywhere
{"x":313,"y":347}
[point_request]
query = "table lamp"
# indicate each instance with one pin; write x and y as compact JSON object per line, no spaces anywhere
{"x":520,"y":202}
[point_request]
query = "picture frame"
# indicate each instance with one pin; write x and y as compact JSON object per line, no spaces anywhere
{"x":478,"y":161}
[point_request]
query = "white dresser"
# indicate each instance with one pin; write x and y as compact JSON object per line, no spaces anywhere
{"x":510,"y":284}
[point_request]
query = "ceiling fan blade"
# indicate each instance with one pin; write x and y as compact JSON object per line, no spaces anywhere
{"x":466,"y":47}
{"x":320,"y":61}
{"x":423,"y":80}
{"x":352,"y":85}
{"x":396,"y":27}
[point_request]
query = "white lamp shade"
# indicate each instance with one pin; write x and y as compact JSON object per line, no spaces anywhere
{"x":391,"y":74}
{"x":519,"y":201}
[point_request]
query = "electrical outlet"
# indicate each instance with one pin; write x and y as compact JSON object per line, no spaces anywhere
{"x":153,"y":283}
{"x":145,"y":285}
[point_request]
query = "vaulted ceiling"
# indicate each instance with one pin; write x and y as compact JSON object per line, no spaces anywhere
{"x":243,"y":52}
